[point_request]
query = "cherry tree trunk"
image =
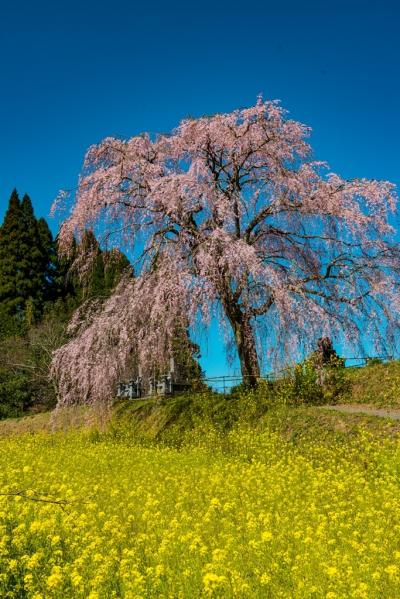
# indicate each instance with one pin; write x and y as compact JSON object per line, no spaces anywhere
{"x":246,"y":346}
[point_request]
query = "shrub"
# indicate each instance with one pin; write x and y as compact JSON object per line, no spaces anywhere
{"x":373,"y":361}
{"x":307,"y":382}
{"x":14,"y":393}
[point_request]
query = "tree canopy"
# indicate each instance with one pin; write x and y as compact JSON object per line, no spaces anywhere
{"x":230,"y":215}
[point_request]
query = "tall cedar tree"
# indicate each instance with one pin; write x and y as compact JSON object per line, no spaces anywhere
{"x":27,"y":261}
{"x":49,"y":261}
{"x":11,"y":235}
{"x":32,"y":274}
{"x":102,"y":271}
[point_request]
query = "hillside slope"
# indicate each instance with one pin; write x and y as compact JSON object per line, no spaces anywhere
{"x":170,"y":419}
{"x":377,"y":384}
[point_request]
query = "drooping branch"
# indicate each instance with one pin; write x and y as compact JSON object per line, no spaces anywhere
{"x":230,"y":212}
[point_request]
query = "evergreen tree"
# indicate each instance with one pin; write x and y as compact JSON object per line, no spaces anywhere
{"x":27,"y":263}
{"x":33,"y":259}
{"x":92,"y":278}
{"x":115,"y":265}
{"x":65,"y":281}
{"x":101,"y":270}
{"x":11,"y":238}
{"x":42,"y":257}
{"x":49,"y":263}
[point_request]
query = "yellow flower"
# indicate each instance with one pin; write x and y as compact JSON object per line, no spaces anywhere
{"x":218,"y":555}
{"x":159,"y":570}
{"x":267,"y":536}
{"x":391,"y":570}
{"x":55,"y":539}
{"x":332,"y":572}
{"x":33,"y":561}
{"x":76,"y":579}
{"x":55,"y":579}
{"x":35,"y":526}
{"x":212,"y":582}
{"x":28,"y":579}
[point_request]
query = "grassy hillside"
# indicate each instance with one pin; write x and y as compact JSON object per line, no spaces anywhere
{"x":171,"y":418}
{"x":172,"y":421}
{"x":377,"y":384}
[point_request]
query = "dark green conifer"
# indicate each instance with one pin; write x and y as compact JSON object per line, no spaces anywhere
{"x":27,"y":261}
{"x":11,"y":263}
{"x":32,"y":275}
{"x":115,"y":265}
{"x":49,"y":260}
{"x":66,"y":284}
{"x":93,"y":274}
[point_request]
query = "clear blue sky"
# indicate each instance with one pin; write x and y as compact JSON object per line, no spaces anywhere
{"x":74,"y":72}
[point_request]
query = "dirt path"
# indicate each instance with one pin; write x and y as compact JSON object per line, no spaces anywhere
{"x":393,"y":414}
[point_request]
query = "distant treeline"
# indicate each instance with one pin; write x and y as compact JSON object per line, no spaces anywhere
{"x":39,"y":291}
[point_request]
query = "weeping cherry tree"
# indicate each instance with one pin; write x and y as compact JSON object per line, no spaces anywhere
{"x":229,"y":215}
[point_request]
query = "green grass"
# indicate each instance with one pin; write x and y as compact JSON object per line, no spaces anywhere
{"x":378,"y":384}
{"x":65,"y":419}
{"x":171,"y":420}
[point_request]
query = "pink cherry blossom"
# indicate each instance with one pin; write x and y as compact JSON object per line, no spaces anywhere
{"x":229,"y":215}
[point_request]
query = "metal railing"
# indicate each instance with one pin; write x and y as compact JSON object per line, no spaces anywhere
{"x":366,"y":360}
{"x":225,"y":383}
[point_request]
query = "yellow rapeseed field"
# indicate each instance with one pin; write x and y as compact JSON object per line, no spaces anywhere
{"x":86,"y":515}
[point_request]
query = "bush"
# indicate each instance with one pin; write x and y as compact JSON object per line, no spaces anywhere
{"x":373,"y":361}
{"x":14,"y":394}
{"x":308,"y":383}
